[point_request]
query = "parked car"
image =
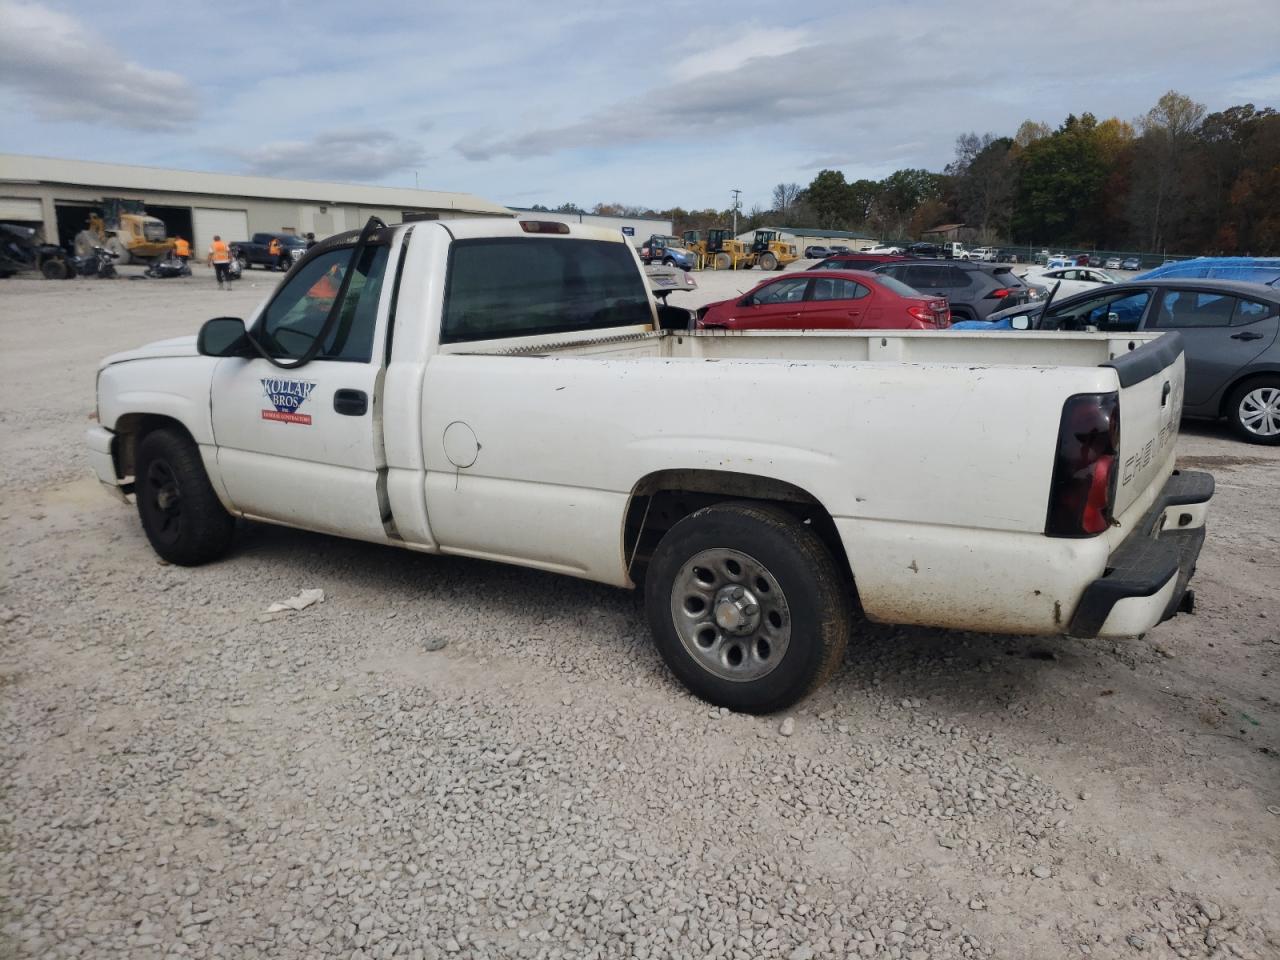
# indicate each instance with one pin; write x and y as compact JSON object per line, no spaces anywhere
{"x":1131,"y":263}
{"x":923,"y":249}
{"x":1114,"y":263}
{"x":983,"y":254}
{"x":257,"y":250}
{"x":1009,"y":255}
{"x":829,"y":299}
{"x":840,"y":249}
{"x":885,"y":249}
{"x":751,"y":497}
{"x":816,"y":252}
{"x":973,"y":290}
{"x":1094,"y":260}
{"x":953,"y":250}
{"x":668,"y":251}
{"x":1070,"y":280}
{"x":1229,"y":332}
{"x":1059,"y":260}
{"x":1251,"y":269}
{"x":858,"y":261}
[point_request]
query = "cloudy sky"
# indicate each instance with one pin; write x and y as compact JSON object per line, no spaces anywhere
{"x":647,"y":103}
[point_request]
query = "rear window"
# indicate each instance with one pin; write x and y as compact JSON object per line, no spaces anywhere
{"x":897,"y":286}
{"x":522,"y":286}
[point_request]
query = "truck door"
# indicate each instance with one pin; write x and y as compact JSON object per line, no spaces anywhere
{"x":304,"y":446}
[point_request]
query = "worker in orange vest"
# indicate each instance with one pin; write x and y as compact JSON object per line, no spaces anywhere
{"x":326,"y":288}
{"x":274,"y":250}
{"x":220,"y":258}
{"x":181,"y":249}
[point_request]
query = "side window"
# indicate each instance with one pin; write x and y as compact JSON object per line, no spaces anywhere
{"x":955,"y":277}
{"x":833,"y":288}
{"x":1115,"y":311}
{"x":1191,"y":308}
{"x":1247,"y":311}
{"x":784,"y":291}
{"x":296,"y":315}
{"x":924,"y":277}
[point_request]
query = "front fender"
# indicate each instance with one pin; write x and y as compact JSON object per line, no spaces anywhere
{"x":173,"y":387}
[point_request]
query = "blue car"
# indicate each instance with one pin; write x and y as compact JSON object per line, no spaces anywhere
{"x":668,"y":251}
{"x":1250,"y":269}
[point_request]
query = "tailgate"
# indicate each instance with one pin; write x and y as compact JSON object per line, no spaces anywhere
{"x":1152,"y":378}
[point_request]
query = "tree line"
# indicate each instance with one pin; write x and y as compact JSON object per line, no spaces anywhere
{"x":1178,"y":179}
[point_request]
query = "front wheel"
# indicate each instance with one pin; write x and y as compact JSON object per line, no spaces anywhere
{"x":747,"y":606}
{"x":768,"y":262}
{"x":243,"y":260}
{"x":54,"y":270}
{"x":1254,"y":410}
{"x":180,"y":513}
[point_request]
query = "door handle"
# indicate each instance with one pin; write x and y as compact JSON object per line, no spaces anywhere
{"x":351,"y":403}
{"x":1246,"y":335}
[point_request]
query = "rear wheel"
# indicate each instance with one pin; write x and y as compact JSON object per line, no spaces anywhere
{"x":243,"y":260}
{"x":723,"y":261}
{"x":747,"y":606}
{"x":768,"y":262}
{"x":180,"y":513}
{"x":1254,"y":410}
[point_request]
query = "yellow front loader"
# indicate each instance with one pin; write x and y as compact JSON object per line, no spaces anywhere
{"x":770,"y":252}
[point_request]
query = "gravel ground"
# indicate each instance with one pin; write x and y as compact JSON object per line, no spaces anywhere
{"x":449,"y":758}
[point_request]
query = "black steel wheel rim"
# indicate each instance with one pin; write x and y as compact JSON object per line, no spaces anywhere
{"x":164,"y":501}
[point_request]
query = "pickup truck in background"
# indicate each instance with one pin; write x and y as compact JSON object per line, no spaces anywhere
{"x":510,"y":390}
{"x":249,"y":252}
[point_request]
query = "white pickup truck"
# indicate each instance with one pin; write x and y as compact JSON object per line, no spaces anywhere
{"x":511,"y":390}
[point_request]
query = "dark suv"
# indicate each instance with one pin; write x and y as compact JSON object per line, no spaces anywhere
{"x":857,"y":261}
{"x":974,"y":290}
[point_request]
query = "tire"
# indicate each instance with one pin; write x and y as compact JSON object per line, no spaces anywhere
{"x":244,"y":262}
{"x":723,"y":261}
{"x":768,"y":262}
{"x":180,"y":513}
{"x":107,"y":272}
{"x":1253,"y":410}
{"x":54,"y":270}
{"x":747,"y":606}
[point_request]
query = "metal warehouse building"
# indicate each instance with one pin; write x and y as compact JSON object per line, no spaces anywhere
{"x":58,"y":195}
{"x":812,"y":236}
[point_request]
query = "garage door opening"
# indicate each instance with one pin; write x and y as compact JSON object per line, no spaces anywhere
{"x":177,"y":220}
{"x":72,"y":218}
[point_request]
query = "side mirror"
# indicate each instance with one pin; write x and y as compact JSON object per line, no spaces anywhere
{"x":223,"y":337}
{"x":1020,"y":322}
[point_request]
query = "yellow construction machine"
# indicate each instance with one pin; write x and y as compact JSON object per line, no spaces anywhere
{"x":722,"y":252}
{"x":770,"y":252}
{"x":124,"y":229}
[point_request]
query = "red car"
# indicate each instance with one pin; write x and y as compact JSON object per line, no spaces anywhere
{"x":829,"y":300}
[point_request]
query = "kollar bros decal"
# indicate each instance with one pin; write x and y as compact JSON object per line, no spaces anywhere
{"x":286,"y":397}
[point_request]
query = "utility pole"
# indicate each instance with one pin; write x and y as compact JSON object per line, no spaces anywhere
{"x":736,"y":203}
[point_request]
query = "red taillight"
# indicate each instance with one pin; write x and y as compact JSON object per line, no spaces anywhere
{"x":1082,"y":492}
{"x":999,"y":294}
{"x":543,"y":226}
{"x":921,"y":313}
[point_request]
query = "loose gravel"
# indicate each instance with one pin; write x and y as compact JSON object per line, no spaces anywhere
{"x":452,"y":759}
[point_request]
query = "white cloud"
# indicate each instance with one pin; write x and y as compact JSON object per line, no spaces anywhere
{"x":68,"y":74}
{"x":335,"y":155}
{"x":753,"y":43}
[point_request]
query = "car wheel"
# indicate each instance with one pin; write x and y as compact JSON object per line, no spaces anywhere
{"x":747,"y":606}
{"x":54,"y":270}
{"x":1254,"y":410}
{"x":181,"y":515}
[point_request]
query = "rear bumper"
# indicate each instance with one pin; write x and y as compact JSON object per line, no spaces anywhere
{"x":1147,"y":575}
